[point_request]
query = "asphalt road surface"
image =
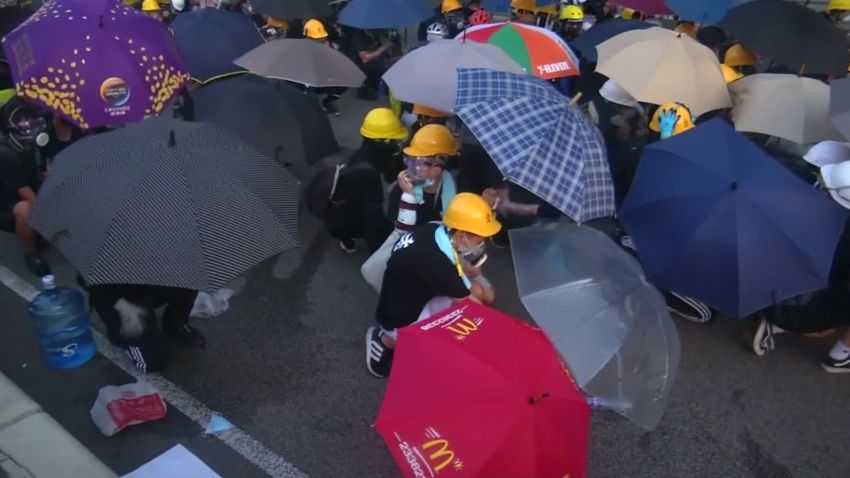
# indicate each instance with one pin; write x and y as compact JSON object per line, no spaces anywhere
{"x":286,"y":364}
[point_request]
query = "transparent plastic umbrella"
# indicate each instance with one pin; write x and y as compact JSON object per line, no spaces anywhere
{"x":610,"y":325}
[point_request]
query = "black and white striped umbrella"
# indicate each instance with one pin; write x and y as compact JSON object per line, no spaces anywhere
{"x":166,"y":202}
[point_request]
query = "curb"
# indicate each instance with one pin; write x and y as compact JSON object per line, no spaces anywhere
{"x":28,"y":435}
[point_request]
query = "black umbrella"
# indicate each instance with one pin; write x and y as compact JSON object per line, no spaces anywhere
{"x":273,"y":116}
{"x":166,"y":202}
{"x":790,"y":35}
{"x":587,"y":41}
{"x":300,"y":9}
{"x":839,"y":106}
{"x":210,"y":39}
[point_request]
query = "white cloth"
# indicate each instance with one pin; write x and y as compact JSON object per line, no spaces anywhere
{"x":374,"y":267}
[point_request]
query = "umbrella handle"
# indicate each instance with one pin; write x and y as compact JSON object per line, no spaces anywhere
{"x":575,"y":98}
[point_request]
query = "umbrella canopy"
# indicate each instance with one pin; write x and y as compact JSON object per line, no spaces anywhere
{"x":717,"y":219}
{"x":474,"y":392}
{"x":384,"y":13}
{"x":428,"y":74}
{"x":165,"y":202}
{"x":706,"y":12}
{"x":618,"y":339}
{"x":790,"y":35}
{"x":791,"y":107}
{"x":95,"y":62}
{"x":586,"y":43}
{"x":210,"y":39}
{"x":537,"y":50}
{"x":538,"y":140}
{"x":302,"y":61}
{"x":839,"y":106}
{"x":302,"y":9}
{"x":272,"y":116}
{"x":659,"y":66}
{"x":649,"y":7}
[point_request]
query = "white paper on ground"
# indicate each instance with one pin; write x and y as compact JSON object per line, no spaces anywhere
{"x":178,"y":461}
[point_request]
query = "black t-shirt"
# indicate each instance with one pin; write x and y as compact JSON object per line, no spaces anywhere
{"x":363,"y":41}
{"x":359,"y":181}
{"x":417,"y":272}
{"x":16,"y":171}
{"x":430,"y":210}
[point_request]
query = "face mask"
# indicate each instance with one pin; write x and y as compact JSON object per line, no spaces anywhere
{"x":472,"y":254}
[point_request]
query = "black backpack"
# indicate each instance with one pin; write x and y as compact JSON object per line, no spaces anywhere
{"x":321,"y":188}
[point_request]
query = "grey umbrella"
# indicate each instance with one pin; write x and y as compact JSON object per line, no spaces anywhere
{"x":839,"y":105}
{"x":611,"y":326}
{"x":302,"y":61}
{"x":165,"y":202}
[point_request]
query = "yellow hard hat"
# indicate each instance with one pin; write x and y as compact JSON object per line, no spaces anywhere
{"x":572,"y":13}
{"x":470,"y":213}
{"x":382,"y":123}
{"x":838,"y":5}
{"x":685,"y":122}
{"x":314,"y":30}
{"x":277,"y":23}
{"x":428,"y":111}
{"x":150,"y":6}
{"x":737,"y":56}
{"x":450,"y":6}
{"x":628,"y":13}
{"x":524,"y":5}
{"x":730,"y":74}
{"x":432,"y":140}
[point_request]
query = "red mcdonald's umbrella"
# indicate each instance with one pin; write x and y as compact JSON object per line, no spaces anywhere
{"x":474,"y":392}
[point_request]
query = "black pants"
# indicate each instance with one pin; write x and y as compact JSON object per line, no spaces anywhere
{"x":366,"y":221}
{"x":821,"y":311}
{"x":178,"y":304}
{"x":373,"y":70}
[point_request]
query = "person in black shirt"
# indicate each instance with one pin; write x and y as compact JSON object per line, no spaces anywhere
{"x":431,"y":266}
{"x":370,"y":54}
{"x":356,"y":209}
{"x":21,"y":177}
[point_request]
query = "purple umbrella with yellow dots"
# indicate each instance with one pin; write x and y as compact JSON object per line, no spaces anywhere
{"x":95,"y":62}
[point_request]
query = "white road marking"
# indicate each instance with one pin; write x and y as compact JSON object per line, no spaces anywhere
{"x":252,"y":450}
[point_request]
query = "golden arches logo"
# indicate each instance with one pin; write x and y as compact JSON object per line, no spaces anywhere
{"x":443,"y":453}
{"x":463,"y":327}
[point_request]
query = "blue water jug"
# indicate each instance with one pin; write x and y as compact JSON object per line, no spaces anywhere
{"x":62,"y":326}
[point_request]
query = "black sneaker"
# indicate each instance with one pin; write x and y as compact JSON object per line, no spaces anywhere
{"x":832,"y":365}
{"x":188,"y":336}
{"x":37,"y":264}
{"x":348,"y":245}
{"x":148,"y":357}
{"x":379,"y":359}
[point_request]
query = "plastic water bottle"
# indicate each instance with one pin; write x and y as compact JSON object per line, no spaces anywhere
{"x":62,"y":326}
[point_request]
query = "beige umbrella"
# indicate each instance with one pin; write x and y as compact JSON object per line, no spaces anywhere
{"x":786,"y":106}
{"x":658,"y":66}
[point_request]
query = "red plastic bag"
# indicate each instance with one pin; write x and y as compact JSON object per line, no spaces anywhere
{"x":118,"y":407}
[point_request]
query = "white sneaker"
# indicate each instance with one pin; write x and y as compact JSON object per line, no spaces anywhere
{"x":763,"y":338}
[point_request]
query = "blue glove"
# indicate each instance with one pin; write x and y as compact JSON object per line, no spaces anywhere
{"x":667,"y":121}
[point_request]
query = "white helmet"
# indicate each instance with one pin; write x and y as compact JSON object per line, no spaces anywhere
{"x":437,"y":31}
{"x":178,"y":5}
{"x":836,"y":178}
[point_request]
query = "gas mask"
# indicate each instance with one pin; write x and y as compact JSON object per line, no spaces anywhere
{"x":419,"y":169}
{"x":474,"y":255}
{"x":27,"y":130}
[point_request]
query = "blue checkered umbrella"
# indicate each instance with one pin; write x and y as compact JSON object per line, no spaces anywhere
{"x":538,"y":140}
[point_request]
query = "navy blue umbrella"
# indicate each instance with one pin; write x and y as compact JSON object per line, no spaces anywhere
{"x":384,"y":13}
{"x":703,"y":11}
{"x":210,"y":39}
{"x":587,"y":41}
{"x":716,"y":218}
